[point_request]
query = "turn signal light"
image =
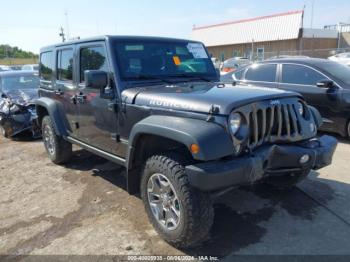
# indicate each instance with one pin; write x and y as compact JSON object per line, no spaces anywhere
{"x":194,"y":149}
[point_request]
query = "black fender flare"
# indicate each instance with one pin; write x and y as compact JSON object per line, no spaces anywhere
{"x":317,"y":116}
{"x":56,"y":112}
{"x":214,"y":142}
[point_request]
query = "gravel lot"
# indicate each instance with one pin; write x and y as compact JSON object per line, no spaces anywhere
{"x":83,"y":209}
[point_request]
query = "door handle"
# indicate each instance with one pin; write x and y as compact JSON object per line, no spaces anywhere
{"x":59,"y":92}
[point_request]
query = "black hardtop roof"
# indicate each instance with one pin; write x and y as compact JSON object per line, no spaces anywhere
{"x":113,"y":37}
{"x":18,"y":73}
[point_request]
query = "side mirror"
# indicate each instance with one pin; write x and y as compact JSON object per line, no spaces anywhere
{"x":98,"y":79}
{"x":326,"y":84}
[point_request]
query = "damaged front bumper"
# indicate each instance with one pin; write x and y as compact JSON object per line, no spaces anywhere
{"x":270,"y":160}
{"x":20,"y":122}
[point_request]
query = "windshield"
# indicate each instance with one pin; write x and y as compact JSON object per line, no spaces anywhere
{"x":9,"y":83}
{"x":337,"y":70}
{"x":150,"y":60}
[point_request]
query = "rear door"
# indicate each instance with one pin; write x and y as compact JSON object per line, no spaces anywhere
{"x":261,"y":75}
{"x":303,"y":79}
{"x":65,"y":87}
{"x":97,"y":119}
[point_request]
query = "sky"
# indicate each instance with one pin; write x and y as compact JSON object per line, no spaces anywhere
{"x":33,"y":24}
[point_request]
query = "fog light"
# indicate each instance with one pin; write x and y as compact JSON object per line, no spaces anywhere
{"x":304,"y":159}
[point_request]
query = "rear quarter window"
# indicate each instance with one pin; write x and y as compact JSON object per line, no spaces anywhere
{"x":46,"y":66}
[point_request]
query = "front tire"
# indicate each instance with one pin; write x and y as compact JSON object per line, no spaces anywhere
{"x":181,"y":214}
{"x":58,"y":149}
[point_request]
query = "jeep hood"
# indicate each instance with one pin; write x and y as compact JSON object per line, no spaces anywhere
{"x":200,"y":97}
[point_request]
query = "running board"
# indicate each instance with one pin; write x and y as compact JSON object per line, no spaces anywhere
{"x":99,"y":152}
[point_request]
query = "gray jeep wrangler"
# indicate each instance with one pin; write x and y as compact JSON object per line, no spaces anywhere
{"x":155,"y":106}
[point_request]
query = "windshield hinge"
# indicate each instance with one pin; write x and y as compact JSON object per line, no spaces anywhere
{"x":214,"y":110}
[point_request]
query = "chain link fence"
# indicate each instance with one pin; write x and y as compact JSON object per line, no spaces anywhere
{"x":315,"y":53}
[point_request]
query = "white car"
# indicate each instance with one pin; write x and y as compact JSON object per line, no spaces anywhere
{"x":343,"y":58}
{"x":4,"y":68}
{"x":233,"y":64}
{"x":33,"y":67}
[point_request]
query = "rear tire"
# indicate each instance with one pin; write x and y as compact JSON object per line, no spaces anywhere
{"x":287,"y":181}
{"x":348,"y":130}
{"x":58,"y":149}
{"x":187,"y":218}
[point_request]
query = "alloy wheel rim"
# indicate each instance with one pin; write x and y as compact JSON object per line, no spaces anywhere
{"x":163,"y":201}
{"x":49,"y":140}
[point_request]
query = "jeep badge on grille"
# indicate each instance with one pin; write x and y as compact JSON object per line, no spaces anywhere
{"x":275,"y":102}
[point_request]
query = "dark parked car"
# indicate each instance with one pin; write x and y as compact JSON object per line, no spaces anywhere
{"x":154,"y":106}
{"x":323,"y":83}
{"x":18,"y":90}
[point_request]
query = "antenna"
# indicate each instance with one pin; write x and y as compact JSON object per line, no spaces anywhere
{"x":67,"y":24}
{"x":62,"y":34}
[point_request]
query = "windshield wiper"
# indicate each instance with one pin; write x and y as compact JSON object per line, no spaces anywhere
{"x":147,"y":77}
{"x":192,"y":77}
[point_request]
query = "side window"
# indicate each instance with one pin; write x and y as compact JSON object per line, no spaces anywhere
{"x":301,"y":75}
{"x":262,"y":73}
{"x":65,"y":65}
{"x":46,"y":66}
{"x":93,"y":58}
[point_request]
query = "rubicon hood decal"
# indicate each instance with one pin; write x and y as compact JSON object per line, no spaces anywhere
{"x":173,"y":103}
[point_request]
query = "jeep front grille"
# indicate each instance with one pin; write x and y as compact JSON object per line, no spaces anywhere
{"x":267,"y":122}
{"x":273,"y":123}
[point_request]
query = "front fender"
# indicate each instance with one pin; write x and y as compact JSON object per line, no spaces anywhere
{"x":56,"y":112}
{"x":214,"y":142}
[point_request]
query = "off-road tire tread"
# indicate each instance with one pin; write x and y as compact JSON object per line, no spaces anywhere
{"x":197,"y":204}
{"x":63,"y":148}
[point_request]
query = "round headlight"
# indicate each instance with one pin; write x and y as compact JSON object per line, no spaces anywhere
{"x":300,"y":108}
{"x":234,"y":122}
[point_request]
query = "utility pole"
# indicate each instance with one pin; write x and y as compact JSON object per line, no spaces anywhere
{"x":340,"y":30}
{"x":62,"y":34}
{"x":312,"y":13}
